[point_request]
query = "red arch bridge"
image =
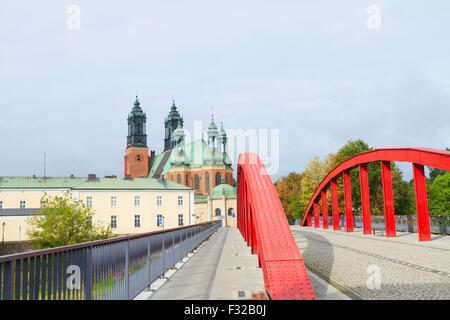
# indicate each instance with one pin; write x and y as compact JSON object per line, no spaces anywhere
{"x":418,"y":157}
{"x":120,"y":268}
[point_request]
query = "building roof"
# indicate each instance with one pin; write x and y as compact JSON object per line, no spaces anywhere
{"x":223,"y":189}
{"x":198,"y":198}
{"x":194,"y":151}
{"x":86,"y":184}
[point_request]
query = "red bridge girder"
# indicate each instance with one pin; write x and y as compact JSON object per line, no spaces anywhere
{"x":419,"y":157}
{"x":264,"y":226}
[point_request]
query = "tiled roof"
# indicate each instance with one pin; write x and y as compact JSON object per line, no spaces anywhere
{"x":85,"y":184}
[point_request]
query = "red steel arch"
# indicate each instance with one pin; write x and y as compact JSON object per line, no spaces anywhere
{"x":419,"y":157}
{"x":264,"y":226}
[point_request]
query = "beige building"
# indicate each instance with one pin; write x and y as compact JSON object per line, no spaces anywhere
{"x":128,"y":205}
{"x":221,"y":204}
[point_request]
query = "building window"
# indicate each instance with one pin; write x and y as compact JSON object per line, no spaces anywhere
{"x":139,"y":157}
{"x":217,"y":212}
{"x":179,"y":178}
{"x":230,"y":211}
{"x":137,"y":221}
{"x":90,"y":221}
{"x":113,"y":222}
{"x":89,"y":201}
{"x":41,"y":203}
{"x":137,"y":201}
{"x":159,"y":201}
{"x":1,"y":204}
{"x":22,"y":204}
{"x":180,"y":200}
{"x":187,"y":181}
{"x":180,"y":220}
{"x":159,"y":220}
{"x":207,"y":182}
{"x":218,"y":178}
{"x":196,"y":182}
{"x":113,"y":201}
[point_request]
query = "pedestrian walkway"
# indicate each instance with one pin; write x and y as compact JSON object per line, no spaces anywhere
{"x":222,"y":268}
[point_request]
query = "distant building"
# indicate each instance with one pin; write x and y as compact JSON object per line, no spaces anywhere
{"x":185,"y":184}
{"x":127,"y":205}
{"x":200,"y":165}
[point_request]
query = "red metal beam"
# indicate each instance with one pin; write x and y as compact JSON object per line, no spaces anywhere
{"x":348,"y":201}
{"x":324,"y":209}
{"x":365,"y":200}
{"x":285,"y":275}
{"x":316,"y":214}
{"x":335,"y":204}
{"x":420,"y":189}
{"x":389,"y":216}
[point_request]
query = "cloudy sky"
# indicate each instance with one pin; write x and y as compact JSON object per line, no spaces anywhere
{"x":321,"y":72}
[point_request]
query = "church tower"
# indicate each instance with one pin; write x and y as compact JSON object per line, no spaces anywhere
{"x":170,"y":124}
{"x":136,"y":154}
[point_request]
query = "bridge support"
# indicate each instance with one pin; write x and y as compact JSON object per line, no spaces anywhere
{"x":309,"y":220}
{"x":348,"y":201}
{"x":324,"y":209}
{"x":365,"y":199}
{"x":420,"y":189}
{"x":335,"y":204}
{"x":316,"y":214}
{"x":389,"y":216}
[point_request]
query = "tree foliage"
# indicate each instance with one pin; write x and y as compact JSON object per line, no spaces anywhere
{"x":287,"y":187}
{"x":438,"y":195}
{"x":64,"y":221}
{"x":296,"y":200}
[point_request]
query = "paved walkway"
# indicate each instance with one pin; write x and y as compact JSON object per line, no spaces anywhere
{"x":222,"y":268}
{"x":353,"y":262}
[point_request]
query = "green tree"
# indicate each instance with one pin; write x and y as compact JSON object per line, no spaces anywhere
{"x":312,"y":176}
{"x":64,"y":221}
{"x":438,"y":195}
{"x":287,"y":187}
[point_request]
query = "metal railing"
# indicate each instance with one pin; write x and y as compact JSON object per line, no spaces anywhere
{"x":112,"y":269}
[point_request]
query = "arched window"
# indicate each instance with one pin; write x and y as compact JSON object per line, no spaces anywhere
{"x":179,"y":178}
{"x":230,"y":211}
{"x":187,"y":181}
{"x":217,"y":212}
{"x":218,"y":178}
{"x":196,"y":182}
{"x":207,"y":182}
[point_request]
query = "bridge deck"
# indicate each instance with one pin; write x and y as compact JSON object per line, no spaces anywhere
{"x":223,"y":268}
{"x":408,"y":269}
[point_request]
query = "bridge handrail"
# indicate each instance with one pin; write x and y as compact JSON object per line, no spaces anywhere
{"x":423,"y":156}
{"x":115,"y":268}
{"x":264,"y":226}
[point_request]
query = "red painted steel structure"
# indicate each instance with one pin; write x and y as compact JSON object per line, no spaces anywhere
{"x":365,"y":199}
{"x":264,"y":226}
{"x":324,"y":208}
{"x":419,"y":157}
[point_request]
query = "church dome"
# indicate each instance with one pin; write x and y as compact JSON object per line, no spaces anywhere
{"x":223,"y":189}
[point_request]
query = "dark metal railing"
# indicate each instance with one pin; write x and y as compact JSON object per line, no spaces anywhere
{"x":117,"y":268}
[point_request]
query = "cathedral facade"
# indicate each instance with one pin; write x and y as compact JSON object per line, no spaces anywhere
{"x":203,"y":166}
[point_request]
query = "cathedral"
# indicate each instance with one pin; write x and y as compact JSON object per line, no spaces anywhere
{"x":201,"y":165}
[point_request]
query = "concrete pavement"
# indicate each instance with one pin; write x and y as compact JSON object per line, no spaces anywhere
{"x":222,"y":268}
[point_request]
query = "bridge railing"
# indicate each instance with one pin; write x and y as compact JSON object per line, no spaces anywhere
{"x":418,"y":157}
{"x":264,"y":226}
{"x":117,"y":268}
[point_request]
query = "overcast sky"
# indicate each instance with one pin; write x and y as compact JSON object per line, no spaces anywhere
{"x":312,"y":69}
